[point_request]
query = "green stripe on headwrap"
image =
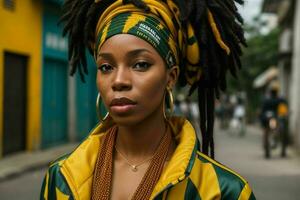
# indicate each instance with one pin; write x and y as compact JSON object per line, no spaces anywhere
{"x":147,"y":28}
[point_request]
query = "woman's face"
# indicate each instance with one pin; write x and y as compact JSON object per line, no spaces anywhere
{"x":132,"y":79}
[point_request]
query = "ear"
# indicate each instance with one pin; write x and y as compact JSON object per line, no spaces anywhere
{"x":173,"y":74}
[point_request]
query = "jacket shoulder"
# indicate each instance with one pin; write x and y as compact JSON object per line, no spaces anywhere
{"x":59,"y":161}
{"x":54,"y":185}
{"x":230,"y":184}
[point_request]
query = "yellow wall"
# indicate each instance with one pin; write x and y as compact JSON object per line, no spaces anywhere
{"x":21,"y":33}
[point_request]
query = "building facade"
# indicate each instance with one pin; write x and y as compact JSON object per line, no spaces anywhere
{"x":288,"y":12}
{"x":68,"y":105}
{"x":55,"y":88}
{"x":41,"y":106}
{"x":20,"y":69}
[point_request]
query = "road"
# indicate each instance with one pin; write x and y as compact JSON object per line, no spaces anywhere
{"x":23,"y":187}
{"x":274,"y":179}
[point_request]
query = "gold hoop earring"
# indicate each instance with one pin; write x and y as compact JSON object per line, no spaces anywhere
{"x":98,"y":101}
{"x":170,"y":102}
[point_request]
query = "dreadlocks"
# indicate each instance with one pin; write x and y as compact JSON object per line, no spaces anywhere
{"x":214,"y":61}
{"x":217,"y":27}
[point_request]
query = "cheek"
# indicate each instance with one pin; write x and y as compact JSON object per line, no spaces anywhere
{"x":152,"y":90}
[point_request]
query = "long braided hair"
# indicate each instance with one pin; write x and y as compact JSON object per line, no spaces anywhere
{"x":80,"y":18}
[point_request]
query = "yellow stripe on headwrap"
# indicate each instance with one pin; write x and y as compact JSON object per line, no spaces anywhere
{"x":193,"y":52}
{"x":112,"y":11}
{"x":105,"y":30}
{"x":217,"y":33}
{"x":133,"y":20}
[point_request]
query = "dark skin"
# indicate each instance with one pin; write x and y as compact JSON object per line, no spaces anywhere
{"x":138,"y":73}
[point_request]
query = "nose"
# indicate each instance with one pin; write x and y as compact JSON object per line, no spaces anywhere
{"x":122,"y":80}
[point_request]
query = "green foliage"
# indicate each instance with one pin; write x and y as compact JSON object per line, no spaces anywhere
{"x":262,"y":52}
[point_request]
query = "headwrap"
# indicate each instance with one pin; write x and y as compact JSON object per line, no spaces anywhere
{"x":161,"y":27}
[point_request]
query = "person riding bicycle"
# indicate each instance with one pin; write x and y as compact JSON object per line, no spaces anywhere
{"x":274,"y":107}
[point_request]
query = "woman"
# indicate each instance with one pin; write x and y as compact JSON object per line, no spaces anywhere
{"x":139,"y":150}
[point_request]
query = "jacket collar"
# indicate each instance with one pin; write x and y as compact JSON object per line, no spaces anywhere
{"x":183,"y":158}
{"x":78,"y":168}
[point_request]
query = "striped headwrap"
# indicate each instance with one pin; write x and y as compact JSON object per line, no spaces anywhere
{"x":161,"y":27}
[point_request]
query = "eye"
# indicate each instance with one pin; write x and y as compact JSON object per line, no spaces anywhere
{"x":105,"y":68}
{"x":141,"y":66}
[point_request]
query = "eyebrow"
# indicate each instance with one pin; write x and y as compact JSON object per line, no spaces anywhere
{"x":129,"y":54}
{"x":137,"y":52}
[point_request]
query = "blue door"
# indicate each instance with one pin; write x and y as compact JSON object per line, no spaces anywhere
{"x":86,"y":94}
{"x":54,"y":106}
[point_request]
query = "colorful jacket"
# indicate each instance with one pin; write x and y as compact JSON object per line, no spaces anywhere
{"x":190,"y":175}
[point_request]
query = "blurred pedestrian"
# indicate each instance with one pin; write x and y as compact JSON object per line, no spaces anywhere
{"x":238,"y":122}
{"x":225,"y":111}
{"x":139,"y":151}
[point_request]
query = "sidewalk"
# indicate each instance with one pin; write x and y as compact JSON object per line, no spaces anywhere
{"x":16,"y":164}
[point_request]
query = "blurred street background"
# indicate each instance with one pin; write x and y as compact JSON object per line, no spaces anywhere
{"x":45,"y":113}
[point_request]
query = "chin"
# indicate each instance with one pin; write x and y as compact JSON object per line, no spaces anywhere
{"x":127,"y":121}
{"x":134,"y":118}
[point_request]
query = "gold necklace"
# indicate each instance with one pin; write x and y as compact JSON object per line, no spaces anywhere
{"x":134,"y":167}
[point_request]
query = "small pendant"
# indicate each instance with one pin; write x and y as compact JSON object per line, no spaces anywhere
{"x":134,"y":168}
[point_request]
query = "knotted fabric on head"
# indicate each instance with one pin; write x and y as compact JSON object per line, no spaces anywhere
{"x":160,"y":26}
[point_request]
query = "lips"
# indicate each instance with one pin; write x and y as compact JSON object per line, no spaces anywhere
{"x":122,"y":105}
{"x":122,"y":102}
